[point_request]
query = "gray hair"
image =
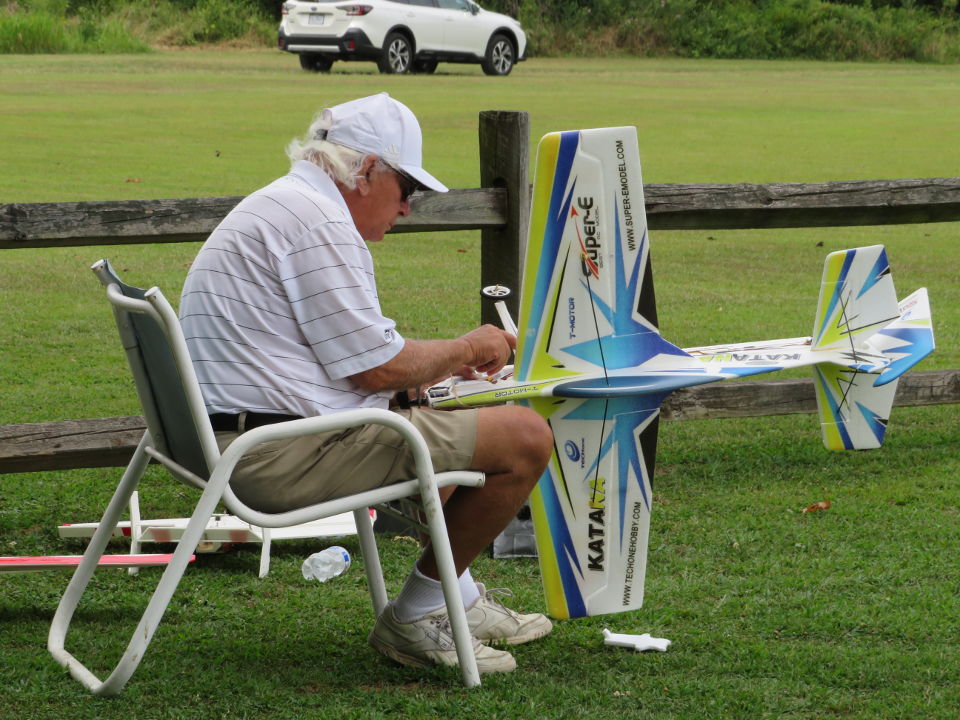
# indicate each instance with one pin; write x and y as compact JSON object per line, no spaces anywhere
{"x":341,"y":163}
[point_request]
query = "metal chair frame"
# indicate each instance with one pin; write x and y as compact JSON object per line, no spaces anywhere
{"x":139,"y":314}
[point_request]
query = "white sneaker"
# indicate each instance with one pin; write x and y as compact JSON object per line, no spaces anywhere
{"x":429,"y":640}
{"x":491,"y":621}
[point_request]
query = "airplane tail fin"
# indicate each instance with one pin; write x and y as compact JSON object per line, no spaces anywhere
{"x":868,"y":340}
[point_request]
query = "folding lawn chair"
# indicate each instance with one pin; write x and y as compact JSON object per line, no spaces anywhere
{"x":180,"y":437}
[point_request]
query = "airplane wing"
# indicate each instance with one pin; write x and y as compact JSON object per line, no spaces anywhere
{"x":587,"y":301}
{"x":587,"y":307}
{"x":591,"y":509}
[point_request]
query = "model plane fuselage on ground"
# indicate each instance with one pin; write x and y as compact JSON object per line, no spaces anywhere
{"x":591,"y":360}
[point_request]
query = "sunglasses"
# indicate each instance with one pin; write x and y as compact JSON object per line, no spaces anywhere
{"x":408,"y":186}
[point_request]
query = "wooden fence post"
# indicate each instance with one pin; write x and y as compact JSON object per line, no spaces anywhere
{"x":504,"y":163}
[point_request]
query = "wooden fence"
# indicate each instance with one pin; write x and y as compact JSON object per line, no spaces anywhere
{"x":500,"y":210}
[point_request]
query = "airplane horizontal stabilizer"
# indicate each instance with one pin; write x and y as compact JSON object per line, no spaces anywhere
{"x":853,"y":412}
{"x":857,"y":298}
{"x":867,"y":340}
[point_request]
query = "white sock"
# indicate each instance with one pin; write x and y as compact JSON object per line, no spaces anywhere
{"x":421,"y":595}
{"x":468,"y":589}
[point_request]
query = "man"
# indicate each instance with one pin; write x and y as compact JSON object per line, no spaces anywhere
{"x":282,"y":319}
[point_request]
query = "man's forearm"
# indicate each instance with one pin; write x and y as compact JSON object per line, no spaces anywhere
{"x":419,"y":362}
{"x":486,"y":349}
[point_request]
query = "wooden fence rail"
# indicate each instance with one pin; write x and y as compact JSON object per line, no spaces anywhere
{"x":500,"y":210}
{"x":110,"y":442}
{"x":669,"y":207}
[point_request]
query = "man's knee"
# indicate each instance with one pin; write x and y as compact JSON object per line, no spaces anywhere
{"x":517,"y":435}
{"x":534,"y":433}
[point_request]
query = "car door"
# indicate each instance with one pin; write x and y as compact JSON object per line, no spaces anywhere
{"x":461,"y":30}
{"x":426,"y":21}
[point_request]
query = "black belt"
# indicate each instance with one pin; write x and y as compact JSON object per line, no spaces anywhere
{"x":231,"y":423}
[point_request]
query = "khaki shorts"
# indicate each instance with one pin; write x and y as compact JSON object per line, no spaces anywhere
{"x":287,"y":474}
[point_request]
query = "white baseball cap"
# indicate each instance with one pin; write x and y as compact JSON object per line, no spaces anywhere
{"x":384,"y":127}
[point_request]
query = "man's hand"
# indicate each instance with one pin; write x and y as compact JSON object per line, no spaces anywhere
{"x":490,"y":348}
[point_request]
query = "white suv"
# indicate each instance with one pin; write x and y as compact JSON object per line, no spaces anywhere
{"x":400,"y":35}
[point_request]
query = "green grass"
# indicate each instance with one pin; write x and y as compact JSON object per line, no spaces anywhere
{"x":198,"y":123}
{"x":773,"y":613}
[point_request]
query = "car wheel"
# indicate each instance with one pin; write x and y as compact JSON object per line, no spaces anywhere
{"x":498,"y":59}
{"x":427,"y":67}
{"x":315,"y":63}
{"x":397,"y":54}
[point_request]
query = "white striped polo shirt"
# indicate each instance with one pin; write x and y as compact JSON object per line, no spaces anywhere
{"x":280,"y":306}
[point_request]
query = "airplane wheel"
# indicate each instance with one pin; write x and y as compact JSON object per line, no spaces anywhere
{"x":496,"y":292}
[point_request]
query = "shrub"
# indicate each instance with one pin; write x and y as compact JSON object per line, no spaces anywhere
{"x":54,"y":26}
{"x":926,"y":30}
{"x":223,"y":19}
{"x":763,"y":29}
{"x":31,"y":33}
{"x":42,"y":27}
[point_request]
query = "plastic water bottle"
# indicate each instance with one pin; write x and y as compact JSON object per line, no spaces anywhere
{"x":326,"y":564}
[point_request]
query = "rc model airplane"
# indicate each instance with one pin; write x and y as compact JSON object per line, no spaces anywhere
{"x":591,"y":360}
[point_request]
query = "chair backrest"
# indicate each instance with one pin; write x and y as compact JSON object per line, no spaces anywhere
{"x":162,"y":378}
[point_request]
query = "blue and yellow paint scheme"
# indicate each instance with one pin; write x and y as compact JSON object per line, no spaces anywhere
{"x":590,"y":359}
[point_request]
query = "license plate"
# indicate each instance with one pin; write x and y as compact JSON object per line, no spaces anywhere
{"x":317,"y":19}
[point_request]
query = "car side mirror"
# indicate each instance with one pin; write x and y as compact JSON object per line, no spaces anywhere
{"x":474,"y":8}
